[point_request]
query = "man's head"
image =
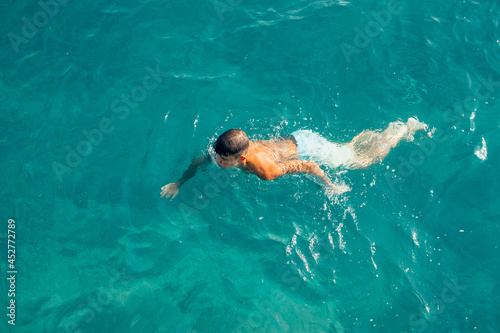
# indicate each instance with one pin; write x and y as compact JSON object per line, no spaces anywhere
{"x":231,"y":146}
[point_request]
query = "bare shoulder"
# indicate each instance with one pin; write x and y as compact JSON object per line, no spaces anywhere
{"x":265,"y":167}
{"x":261,"y":159}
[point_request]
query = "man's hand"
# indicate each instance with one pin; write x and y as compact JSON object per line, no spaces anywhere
{"x":169,"y":190}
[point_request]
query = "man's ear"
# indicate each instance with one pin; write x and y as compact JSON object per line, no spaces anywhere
{"x":243,"y":157}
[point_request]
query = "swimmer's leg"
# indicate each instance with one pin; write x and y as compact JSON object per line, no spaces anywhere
{"x":370,"y":147}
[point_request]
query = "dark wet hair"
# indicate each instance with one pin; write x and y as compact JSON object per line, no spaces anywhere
{"x":232,"y":142}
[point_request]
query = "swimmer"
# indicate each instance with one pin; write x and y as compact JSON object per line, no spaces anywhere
{"x":300,"y":152}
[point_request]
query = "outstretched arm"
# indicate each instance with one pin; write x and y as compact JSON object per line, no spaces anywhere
{"x":193,"y":167}
{"x":173,"y":188}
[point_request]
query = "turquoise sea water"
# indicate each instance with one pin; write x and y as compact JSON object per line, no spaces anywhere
{"x":104,"y":102}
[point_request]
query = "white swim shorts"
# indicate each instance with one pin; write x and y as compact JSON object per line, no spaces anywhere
{"x":313,"y":147}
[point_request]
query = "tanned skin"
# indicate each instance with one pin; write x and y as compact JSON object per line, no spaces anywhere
{"x":268,"y":160}
{"x":274,"y":158}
